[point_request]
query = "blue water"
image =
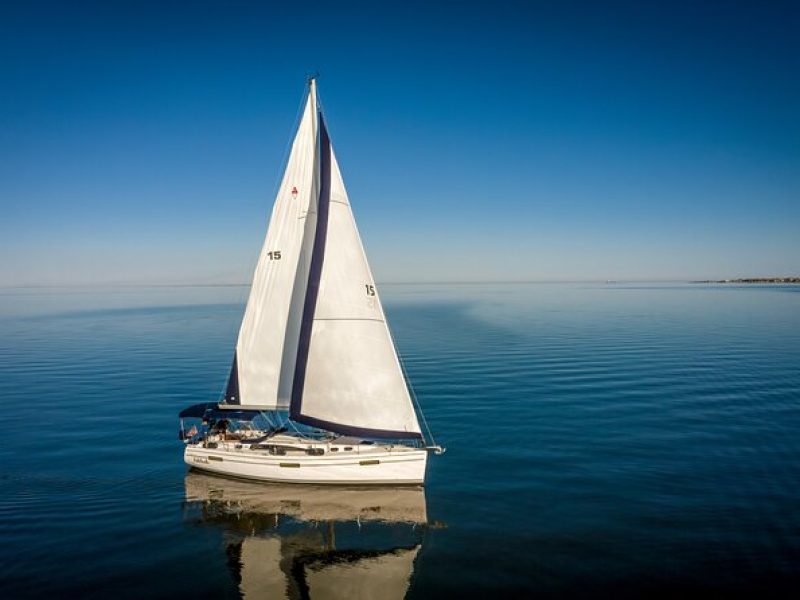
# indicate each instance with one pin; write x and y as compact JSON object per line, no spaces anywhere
{"x":603,"y":440}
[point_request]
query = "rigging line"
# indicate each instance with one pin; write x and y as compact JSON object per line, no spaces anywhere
{"x":300,"y":433}
{"x":267,"y":419}
{"x":280,"y":225}
{"x":315,"y":77}
{"x":298,"y":117}
{"x":413,"y":393}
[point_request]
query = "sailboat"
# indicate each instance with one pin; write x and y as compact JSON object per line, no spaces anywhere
{"x":316,"y":391}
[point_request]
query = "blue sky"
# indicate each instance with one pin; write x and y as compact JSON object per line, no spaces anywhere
{"x":143,"y":142}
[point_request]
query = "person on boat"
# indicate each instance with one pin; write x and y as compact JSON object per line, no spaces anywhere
{"x":218,"y":428}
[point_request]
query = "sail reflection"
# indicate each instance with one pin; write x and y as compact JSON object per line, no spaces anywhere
{"x":298,"y":541}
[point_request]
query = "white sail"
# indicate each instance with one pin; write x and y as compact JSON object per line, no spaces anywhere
{"x":386,"y":575}
{"x":266,"y":349}
{"x":348,"y":378}
{"x":259,"y":565}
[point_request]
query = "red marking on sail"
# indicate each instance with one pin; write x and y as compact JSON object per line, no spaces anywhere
{"x":294,"y":192}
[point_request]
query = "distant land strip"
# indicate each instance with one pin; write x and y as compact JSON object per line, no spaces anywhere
{"x":753,"y":280}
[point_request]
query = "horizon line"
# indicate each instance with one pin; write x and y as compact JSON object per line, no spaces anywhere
{"x":406,"y":282}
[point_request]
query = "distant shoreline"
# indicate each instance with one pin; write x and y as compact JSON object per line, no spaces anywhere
{"x":753,"y":280}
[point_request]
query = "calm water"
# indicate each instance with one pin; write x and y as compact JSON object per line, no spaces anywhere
{"x":602,"y":439}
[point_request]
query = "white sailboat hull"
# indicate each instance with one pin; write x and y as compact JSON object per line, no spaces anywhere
{"x":372,"y":465}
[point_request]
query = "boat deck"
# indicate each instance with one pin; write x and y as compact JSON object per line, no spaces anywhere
{"x":287,"y":444}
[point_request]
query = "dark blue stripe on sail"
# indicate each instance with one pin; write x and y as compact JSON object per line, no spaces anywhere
{"x":315,"y":272}
{"x":359,"y":431}
{"x":232,"y":389}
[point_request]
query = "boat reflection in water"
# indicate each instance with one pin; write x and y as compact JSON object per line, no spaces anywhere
{"x":300,"y":541}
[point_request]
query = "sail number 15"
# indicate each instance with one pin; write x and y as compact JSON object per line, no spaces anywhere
{"x":274,"y":255}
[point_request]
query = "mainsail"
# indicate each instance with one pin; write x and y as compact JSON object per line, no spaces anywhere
{"x":325,"y":336}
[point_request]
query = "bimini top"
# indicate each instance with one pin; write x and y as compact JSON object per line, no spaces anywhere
{"x":211,"y":410}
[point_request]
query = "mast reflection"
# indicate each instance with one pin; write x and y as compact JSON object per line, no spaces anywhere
{"x":300,"y":541}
